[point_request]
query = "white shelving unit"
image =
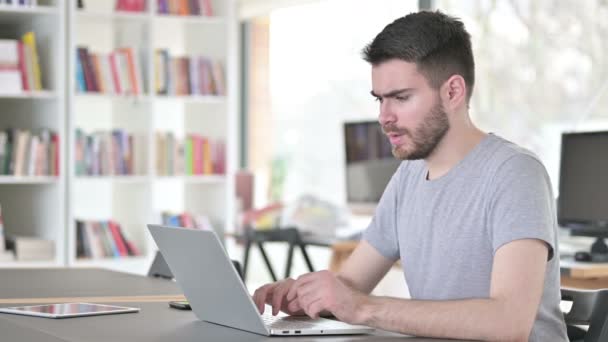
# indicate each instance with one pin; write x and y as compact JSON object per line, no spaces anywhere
{"x":134,"y":201}
{"x":35,"y":206}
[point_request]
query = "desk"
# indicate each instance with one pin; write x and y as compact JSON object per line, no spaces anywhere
{"x":583,"y":275}
{"x":55,"y":285}
{"x":158,"y":322}
{"x":155,"y":322}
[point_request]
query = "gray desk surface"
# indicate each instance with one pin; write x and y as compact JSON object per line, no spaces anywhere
{"x":80,"y":282}
{"x":11,"y":331}
{"x":158,"y":322}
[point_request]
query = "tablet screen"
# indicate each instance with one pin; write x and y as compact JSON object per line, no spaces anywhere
{"x":68,"y":310}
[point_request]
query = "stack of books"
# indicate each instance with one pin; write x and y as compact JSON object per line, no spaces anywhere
{"x":107,"y":153}
{"x":118,"y":72}
{"x":19,"y":65}
{"x":31,"y":248}
{"x":23,"y":153}
{"x":185,"y":7}
{"x":102,"y":239}
{"x":187,"y":75}
{"x":198,"y":155}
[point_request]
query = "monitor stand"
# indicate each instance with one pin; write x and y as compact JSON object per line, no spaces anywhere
{"x":599,"y":249}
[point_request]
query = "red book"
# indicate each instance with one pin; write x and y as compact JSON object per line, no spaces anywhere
{"x":132,"y":69}
{"x":24,"y":83}
{"x":206,"y":7}
{"x":55,"y":140}
{"x":133,"y":249}
{"x":114,"y":70}
{"x":120,"y":243}
{"x":186,"y":220}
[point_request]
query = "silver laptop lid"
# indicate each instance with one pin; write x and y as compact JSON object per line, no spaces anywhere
{"x":205,"y":273}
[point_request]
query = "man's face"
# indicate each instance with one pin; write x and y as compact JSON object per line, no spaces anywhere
{"x":411,"y":113}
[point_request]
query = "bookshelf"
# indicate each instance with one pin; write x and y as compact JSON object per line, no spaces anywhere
{"x":138,"y":199}
{"x":34,"y":206}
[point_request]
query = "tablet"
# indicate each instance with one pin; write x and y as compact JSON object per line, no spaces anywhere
{"x":68,"y":310}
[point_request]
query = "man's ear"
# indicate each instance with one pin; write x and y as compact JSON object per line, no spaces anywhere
{"x":454,"y":92}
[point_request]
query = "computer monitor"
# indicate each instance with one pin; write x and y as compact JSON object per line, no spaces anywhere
{"x":583,"y":188}
{"x":369,"y":162}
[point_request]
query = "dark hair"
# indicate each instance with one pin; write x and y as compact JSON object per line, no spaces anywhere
{"x":438,"y":44}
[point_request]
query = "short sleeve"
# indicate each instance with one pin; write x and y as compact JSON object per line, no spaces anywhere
{"x":521,"y":204}
{"x":382,"y":231}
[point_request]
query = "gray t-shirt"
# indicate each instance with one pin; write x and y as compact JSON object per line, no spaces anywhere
{"x":447,"y":230}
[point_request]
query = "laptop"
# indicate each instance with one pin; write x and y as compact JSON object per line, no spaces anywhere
{"x":216,"y":293}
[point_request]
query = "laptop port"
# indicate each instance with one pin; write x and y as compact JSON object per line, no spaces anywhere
{"x":285,"y":331}
{"x":298,"y":331}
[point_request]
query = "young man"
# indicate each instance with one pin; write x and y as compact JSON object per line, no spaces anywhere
{"x":470,"y":215}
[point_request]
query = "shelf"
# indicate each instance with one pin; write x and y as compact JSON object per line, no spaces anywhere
{"x":111,"y":97}
{"x":116,"y":16}
{"x":28,"y":264}
{"x":15,"y":14}
{"x":114,"y":179}
{"x":189,"y":19}
{"x":203,"y":99}
{"x":28,"y":179}
{"x":43,"y":94}
{"x":195,"y":179}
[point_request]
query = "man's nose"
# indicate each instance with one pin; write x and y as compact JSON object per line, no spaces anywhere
{"x":386,"y":115}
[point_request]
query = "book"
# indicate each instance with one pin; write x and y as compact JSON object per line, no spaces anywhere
{"x":10,"y":82}
{"x":29,"y":40}
{"x":31,"y":248}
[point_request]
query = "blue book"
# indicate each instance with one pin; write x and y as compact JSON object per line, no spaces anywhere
{"x":81,"y":85}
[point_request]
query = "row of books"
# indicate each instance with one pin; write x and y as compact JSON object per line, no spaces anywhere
{"x":185,"y":7}
{"x":102,"y":239}
{"x":107,"y":153}
{"x":197,"y":155}
{"x":187,"y":75}
{"x":118,"y":72}
{"x":22,"y":3}
{"x":186,"y":220}
{"x":19,"y":65}
{"x":24,"y":153}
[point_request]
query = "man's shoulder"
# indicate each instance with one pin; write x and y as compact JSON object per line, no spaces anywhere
{"x":506,"y":154}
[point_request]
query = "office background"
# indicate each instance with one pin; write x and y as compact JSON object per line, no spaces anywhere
{"x":286,"y":77}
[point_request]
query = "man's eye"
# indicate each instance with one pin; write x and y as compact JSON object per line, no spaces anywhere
{"x":378,"y":99}
{"x":402,"y":98}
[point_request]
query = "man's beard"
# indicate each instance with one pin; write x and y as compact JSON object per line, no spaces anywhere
{"x":425,"y":138}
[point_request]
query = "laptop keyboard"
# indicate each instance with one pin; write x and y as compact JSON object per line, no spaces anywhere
{"x":287,"y":323}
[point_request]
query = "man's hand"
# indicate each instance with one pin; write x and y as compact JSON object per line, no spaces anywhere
{"x":274,"y":294}
{"x":322,"y":291}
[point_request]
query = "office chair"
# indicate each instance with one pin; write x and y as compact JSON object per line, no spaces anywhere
{"x":160,"y":269}
{"x":589,"y":307}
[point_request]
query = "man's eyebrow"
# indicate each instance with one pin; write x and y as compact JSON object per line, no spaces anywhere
{"x":392,"y":93}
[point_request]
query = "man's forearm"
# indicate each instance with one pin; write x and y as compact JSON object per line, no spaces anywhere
{"x":476,"y":319}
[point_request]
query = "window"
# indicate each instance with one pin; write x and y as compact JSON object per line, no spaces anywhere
{"x":540,"y":69}
{"x":318,"y":81}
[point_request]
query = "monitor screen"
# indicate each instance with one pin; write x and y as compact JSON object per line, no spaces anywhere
{"x":583,"y":181}
{"x":369,"y":161}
